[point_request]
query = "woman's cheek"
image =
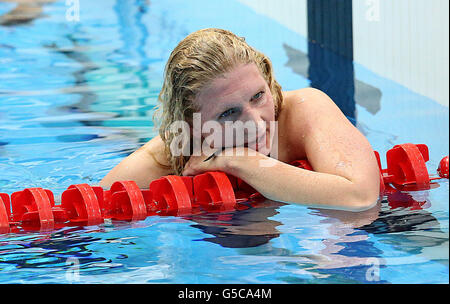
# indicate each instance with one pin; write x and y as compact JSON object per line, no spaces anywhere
{"x":270,"y":108}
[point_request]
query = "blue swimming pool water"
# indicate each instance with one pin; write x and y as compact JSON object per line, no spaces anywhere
{"x":77,"y":97}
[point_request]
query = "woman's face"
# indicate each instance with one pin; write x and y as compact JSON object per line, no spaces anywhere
{"x":242,"y":97}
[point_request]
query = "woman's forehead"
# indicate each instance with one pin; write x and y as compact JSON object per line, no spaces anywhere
{"x":230,"y":88}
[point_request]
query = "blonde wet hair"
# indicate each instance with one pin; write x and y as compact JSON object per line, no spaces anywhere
{"x":195,"y":62}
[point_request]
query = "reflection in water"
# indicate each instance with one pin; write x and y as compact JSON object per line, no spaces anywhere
{"x":419,"y":229}
{"x":24,"y":12}
{"x":350,"y":251}
{"x":367,"y":96}
{"x":76,"y":54}
{"x":242,"y":228}
{"x":52,"y":250}
{"x":401,"y":212}
{"x":347,"y":253}
{"x":124,"y":67}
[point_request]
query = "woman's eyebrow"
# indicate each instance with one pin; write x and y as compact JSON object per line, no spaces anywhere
{"x":229,"y":107}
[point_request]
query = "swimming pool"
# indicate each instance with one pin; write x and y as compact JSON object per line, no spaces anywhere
{"x":77,"y":97}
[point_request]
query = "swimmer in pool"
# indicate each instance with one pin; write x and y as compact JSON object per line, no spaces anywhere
{"x":213,"y":79}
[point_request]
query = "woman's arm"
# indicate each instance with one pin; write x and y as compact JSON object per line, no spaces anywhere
{"x":285,"y":183}
{"x":141,"y":166}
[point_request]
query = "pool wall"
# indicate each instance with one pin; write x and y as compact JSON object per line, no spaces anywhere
{"x":405,"y":41}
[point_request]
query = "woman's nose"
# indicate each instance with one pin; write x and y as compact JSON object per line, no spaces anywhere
{"x":255,"y":124}
{"x":251,"y":115}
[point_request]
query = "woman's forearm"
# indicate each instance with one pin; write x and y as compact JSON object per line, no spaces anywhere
{"x":286,"y":183}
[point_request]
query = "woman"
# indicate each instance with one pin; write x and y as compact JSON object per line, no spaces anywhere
{"x":217,"y":76}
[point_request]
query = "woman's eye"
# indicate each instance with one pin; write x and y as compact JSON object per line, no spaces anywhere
{"x":258,"y":95}
{"x":226,"y":113}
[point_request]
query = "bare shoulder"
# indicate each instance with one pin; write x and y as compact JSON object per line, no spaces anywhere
{"x":331,"y":142}
{"x":142,"y":166}
{"x":300,"y":111}
{"x":295,"y":122}
{"x":156,"y":148}
{"x":309,"y":108}
{"x":307,"y":98}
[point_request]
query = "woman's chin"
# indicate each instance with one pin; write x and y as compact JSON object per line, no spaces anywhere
{"x":264,"y":150}
{"x":262,"y":147}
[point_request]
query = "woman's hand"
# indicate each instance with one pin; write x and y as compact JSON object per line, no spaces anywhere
{"x":220,"y":162}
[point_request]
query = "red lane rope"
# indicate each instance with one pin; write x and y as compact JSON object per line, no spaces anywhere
{"x":81,"y":204}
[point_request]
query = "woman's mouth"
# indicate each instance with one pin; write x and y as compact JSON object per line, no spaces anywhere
{"x":259,"y":143}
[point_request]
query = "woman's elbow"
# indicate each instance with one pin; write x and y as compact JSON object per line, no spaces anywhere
{"x":363,"y":205}
{"x":104,"y":184}
{"x":365,"y":196}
